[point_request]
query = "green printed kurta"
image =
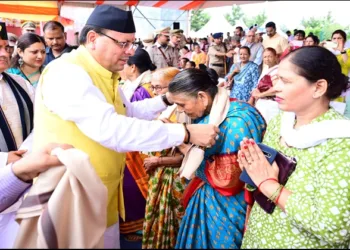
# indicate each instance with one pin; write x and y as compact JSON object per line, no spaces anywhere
{"x":318,"y":210}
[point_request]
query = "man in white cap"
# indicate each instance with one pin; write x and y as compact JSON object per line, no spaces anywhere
{"x":161,"y":54}
{"x":80,"y":103}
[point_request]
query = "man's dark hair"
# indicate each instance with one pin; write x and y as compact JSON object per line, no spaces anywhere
{"x":270,"y":25}
{"x":85,"y":31}
{"x":53,"y":25}
{"x":240,"y":28}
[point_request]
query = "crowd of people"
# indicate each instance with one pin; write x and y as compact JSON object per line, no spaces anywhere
{"x":169,"y":124}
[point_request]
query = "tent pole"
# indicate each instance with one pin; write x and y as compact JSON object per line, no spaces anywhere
{"x":41,"y":28}
{"x":145,"y":17}
{"x":188,"y":23}
{"x":135,"y":7}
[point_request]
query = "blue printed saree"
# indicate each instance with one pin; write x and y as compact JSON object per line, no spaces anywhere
{"x":245,"y":81}
{"x":215,"y":216}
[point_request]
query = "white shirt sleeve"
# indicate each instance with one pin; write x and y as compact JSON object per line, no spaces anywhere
{"x":68,"y":91}
{"x":147,"y":109}
{"x":3,"y":159}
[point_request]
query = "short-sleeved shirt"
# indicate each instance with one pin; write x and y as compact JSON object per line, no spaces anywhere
{"x":213,"y":59}
{"x":277,"y":42}
{"x":50,"y":56}
{"x":162,"y":61}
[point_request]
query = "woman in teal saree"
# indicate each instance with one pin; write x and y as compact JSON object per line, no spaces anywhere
{"x":214,"y":198}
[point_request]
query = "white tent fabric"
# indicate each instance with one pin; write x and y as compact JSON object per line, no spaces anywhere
{"x":180,"y":5}
{"x":241,"y":23}
{"x":214,"y":25}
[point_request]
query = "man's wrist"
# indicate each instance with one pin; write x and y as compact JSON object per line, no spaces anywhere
{"x":22,"y":175}
{"x":160,"y":161}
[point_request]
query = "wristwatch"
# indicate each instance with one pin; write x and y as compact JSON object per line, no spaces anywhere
{"x":165,"y":100}
{"x":343,"y":52}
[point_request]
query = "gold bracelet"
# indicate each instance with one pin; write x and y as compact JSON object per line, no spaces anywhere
{"x":274,"y":196}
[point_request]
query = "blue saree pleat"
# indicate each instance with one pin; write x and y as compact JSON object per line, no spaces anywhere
{"x":214,"y":220}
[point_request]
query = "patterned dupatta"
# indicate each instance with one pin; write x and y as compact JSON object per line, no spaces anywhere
{"x":25,"y":107}
{"x":240,"y":77}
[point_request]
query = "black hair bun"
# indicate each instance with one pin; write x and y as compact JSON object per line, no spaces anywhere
{"x":213,"y":75}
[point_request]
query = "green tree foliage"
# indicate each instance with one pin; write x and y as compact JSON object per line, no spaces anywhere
{"x":199,"y":19}
{"x":258,"y":19}
{"x":235,"y":15}
{"x":284,"y":28}
{"x":323,"y":27}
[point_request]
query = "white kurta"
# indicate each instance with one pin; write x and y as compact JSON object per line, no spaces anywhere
{"x":70,"y":93}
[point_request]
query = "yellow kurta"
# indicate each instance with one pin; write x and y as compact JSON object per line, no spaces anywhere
{"x":109,"y":165}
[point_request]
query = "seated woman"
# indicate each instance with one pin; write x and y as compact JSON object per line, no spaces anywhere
{"x":198,"y":56}
{"x":263,"y":96}
{"x":214,"y":199}
{"x":190,"y":65}
{"x":137,"y":87}
{"x":138,"y":76}
{"x":163,"y":208}
{"x":311,"y":40}
{"x":265,"y":83}
{"x":296,"y":43}
{"x":29,"y":58}
{"x":343,"y":56}
{"x":243,"y":76}
{"x":313,"y":207}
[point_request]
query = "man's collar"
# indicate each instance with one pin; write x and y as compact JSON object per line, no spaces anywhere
{"x":275,"y":35}
{"x":159,"y":45}
{"x":249,"y":44}
{"x":49,"y":49}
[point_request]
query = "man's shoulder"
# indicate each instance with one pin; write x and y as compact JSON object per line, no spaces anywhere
{"x":153,"y":47}
{"x":71,"y":47}
{"x":20,"y":80}
{"x":61,"y":66}
{"x":279,"y":37}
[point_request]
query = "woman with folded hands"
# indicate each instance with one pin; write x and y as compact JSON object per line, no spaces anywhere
{"x":313,"y":206}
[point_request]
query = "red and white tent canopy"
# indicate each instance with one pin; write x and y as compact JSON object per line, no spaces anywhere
{"x":180,"y":5}
{"x":49,"y":10}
